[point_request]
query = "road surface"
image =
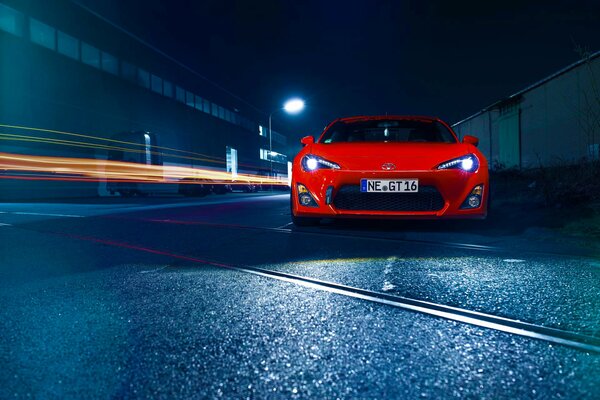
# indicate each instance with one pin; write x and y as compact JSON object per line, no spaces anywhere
{"x":223,"y":297}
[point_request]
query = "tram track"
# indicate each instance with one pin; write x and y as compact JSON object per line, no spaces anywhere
{"x":512,"y":326}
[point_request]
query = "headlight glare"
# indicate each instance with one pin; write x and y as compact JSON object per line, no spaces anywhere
{"x":468,"y":163}
{"x":311,"y":163}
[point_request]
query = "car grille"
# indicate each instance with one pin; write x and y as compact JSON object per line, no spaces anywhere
{"x":349,"y":197}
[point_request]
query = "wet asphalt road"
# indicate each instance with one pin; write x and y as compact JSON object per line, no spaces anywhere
{"x":125,"y":298}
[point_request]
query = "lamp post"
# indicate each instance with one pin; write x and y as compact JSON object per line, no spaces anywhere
{"x":292,"y":106}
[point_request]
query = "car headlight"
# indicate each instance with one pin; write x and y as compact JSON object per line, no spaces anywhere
{"x":311,"y":162}
{"x":468,"y":163}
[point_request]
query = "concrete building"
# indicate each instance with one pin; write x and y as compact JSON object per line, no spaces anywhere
{"x":555,"y":120}
{"x":64,"y":69}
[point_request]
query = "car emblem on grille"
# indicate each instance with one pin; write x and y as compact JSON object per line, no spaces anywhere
{"x":388,"y":166}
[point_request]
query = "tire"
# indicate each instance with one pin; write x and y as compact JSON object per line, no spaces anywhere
{"x":304,"y":221}
{"x":489,"y":201}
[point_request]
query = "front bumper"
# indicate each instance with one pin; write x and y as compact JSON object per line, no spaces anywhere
{"x":452,"y":186}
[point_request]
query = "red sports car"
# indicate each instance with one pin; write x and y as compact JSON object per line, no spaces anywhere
{"x":389,"y":167}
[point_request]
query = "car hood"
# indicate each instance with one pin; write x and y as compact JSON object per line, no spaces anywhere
{"x":405,"y":156}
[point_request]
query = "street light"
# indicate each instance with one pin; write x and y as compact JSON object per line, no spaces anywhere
{"x":292,"y":106}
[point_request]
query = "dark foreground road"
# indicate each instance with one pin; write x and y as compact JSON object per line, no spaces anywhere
{"x":164,"y":298}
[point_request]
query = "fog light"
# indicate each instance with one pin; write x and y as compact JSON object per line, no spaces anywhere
{"x":305,"y":199}
{"x":474,"y":201}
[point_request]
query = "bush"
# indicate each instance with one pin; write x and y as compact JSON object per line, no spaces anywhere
{"x":560,"y":185}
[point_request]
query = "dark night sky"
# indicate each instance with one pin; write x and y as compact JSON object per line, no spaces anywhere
{"x":444,"y":58}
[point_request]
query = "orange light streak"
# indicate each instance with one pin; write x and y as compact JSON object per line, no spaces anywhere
{"x":67,"y":168}
{"x":56,"y":132}
{"x":113,"y":144}
{"x":72,"y":143}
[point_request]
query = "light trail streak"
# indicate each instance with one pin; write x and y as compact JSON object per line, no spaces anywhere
{"x":27,"y":128}
{"x":67,"y":168}
{"x":140,"y":148}
{"x":71,"y":143}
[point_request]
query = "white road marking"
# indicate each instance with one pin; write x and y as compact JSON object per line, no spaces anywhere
{"x":513,"y":260}
{"x":154,"y":270}
{"x":3,"y":224}
{"x":387,"y":285}
{"x":283,"y":226}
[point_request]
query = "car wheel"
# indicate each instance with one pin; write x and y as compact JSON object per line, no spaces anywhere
{"x":489,"y":200}
{"x":304,"y":221}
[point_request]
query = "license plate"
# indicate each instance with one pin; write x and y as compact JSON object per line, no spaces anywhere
{"x":394,"y":186}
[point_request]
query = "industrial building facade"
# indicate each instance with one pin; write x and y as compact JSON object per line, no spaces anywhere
{"x":554,"y":121}
{"x":65,"y":71}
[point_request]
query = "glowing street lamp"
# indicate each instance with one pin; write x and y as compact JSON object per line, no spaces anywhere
{"x":292,"y":106}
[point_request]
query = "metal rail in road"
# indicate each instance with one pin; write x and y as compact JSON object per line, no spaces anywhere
{"x":551,"y":335}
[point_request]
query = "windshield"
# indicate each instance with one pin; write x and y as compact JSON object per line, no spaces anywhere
{"x":393,"y":130}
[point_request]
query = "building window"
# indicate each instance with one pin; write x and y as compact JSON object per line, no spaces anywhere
{"x":128,"y":71}
{"x":221,"y":112}
{"x":198,"y":103}
{"x":67,"y":45}
{"x":180,"y":94}
{"x":189,"y":99}
{"x":110,"y":63}
{"x":148,"y":149}
{"x":232,"y":161}
{"x":157,"y":85}
{"x":143,"y":78}
{"x":167,"y":89}
{"x":276,"y":157}
{"x":90,"y":55}
{"x":11,"y":21}
{"x":262,"y":131}
{"x":42,"y":34}
{"x":206,"y":106}
{"x":215,"y":110}
{"x":264,"y":154}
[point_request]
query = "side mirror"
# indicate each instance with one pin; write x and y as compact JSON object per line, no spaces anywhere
{"x":471,"y":140}
{"x":307,"y":140}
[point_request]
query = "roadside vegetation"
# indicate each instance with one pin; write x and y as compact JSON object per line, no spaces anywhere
{"x":563,"y":197}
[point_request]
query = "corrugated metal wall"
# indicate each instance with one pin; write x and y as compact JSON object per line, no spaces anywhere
{"x":557,"y":121}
